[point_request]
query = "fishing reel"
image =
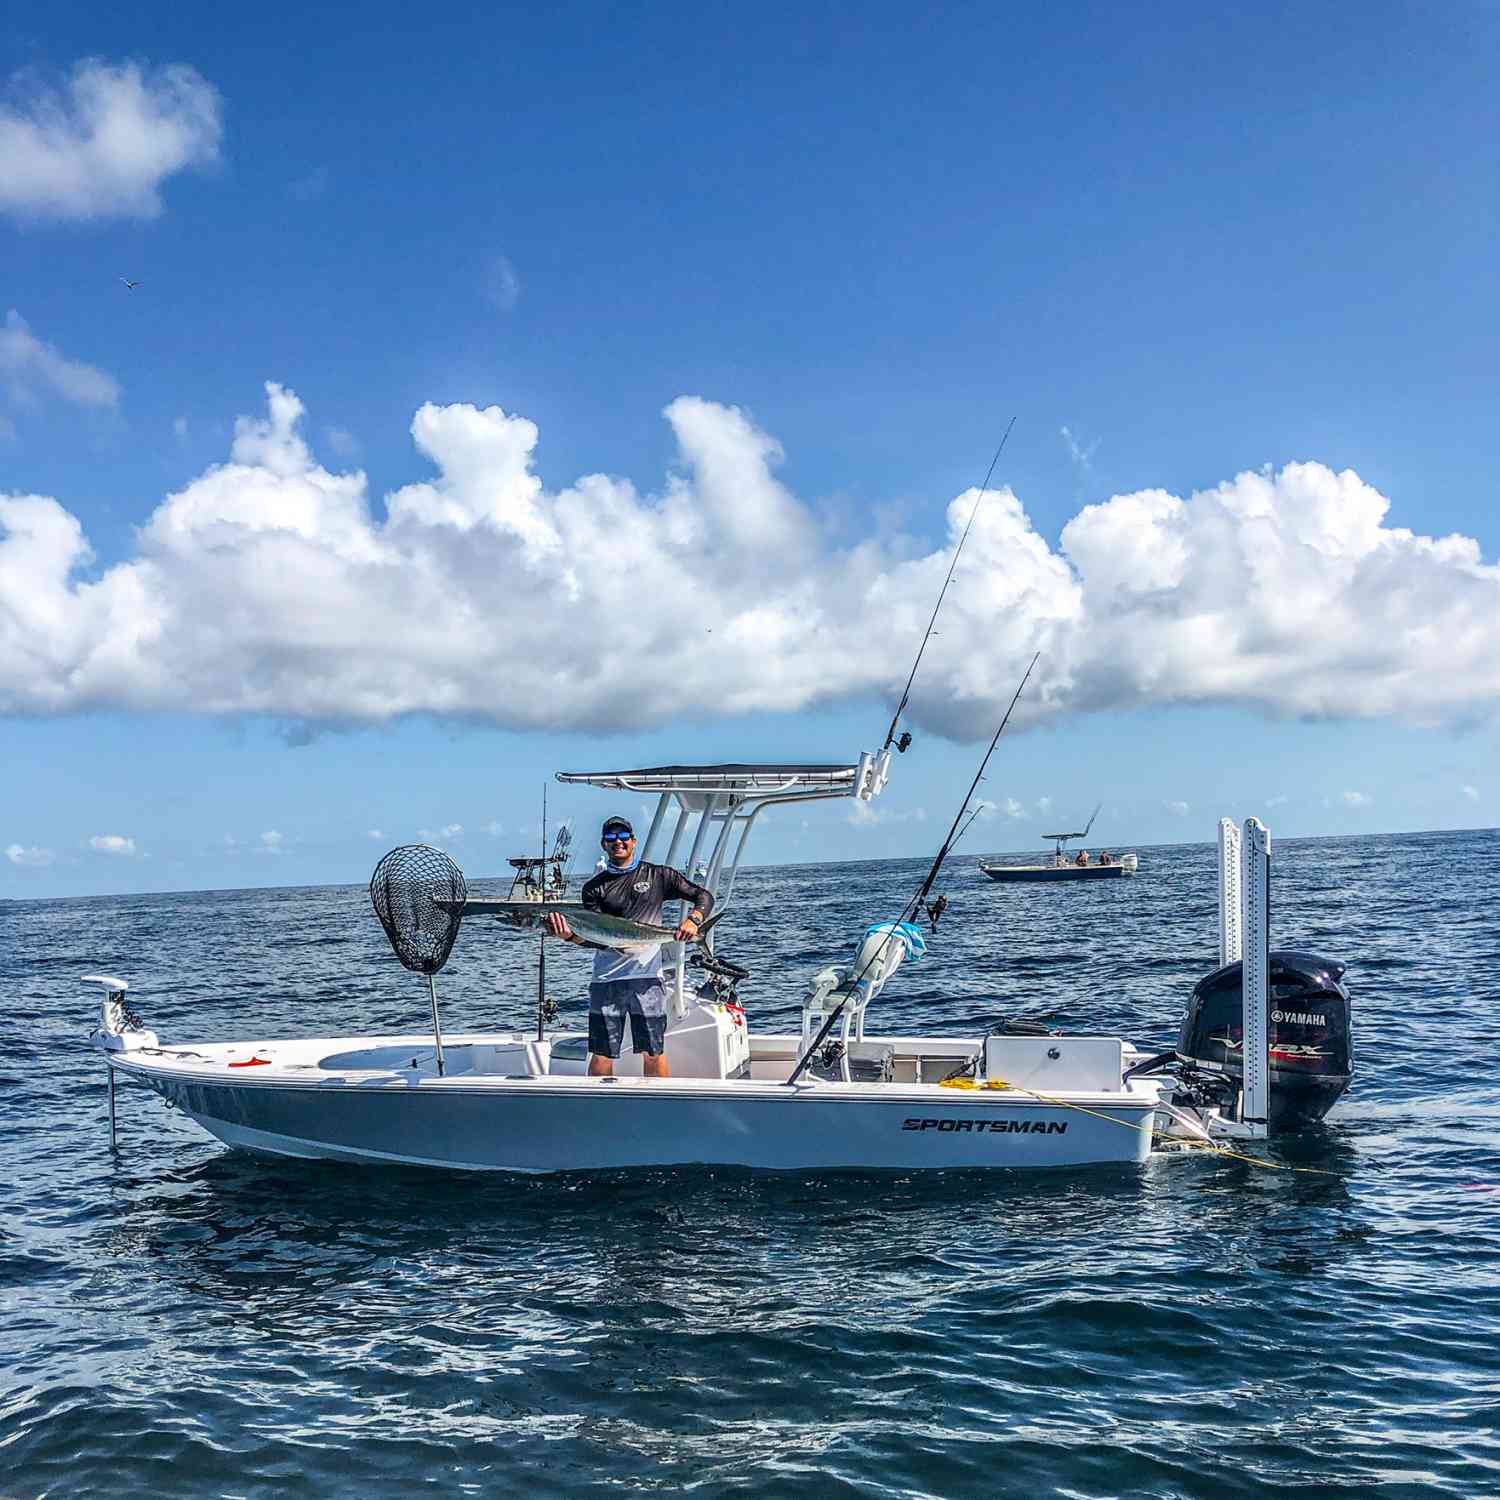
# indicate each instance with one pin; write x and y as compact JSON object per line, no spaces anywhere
{"x":722,"y":977}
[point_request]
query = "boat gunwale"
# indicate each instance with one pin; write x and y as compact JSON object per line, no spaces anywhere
{"x":1138,"y":1094}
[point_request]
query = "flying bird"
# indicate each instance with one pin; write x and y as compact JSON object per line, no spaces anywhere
{"x":130,"y":286}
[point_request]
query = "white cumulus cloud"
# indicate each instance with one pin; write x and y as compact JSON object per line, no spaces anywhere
{"x":1356,"y":799}
{"x":1471,"y":792}
{"x":270,"y":584}
{"x":986,"y":808}
{"x":19,"y":855}
{"x":1177,"y":809}
{"x":103,"y":145}
{"x":112,"y":843}
{"x":374,"y":833}
{"x":31,"y":369}
{"x":270,"y":842}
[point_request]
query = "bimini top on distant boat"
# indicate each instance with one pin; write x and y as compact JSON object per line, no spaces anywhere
{"x":1065,"y":866}
{"x":543,"y":878}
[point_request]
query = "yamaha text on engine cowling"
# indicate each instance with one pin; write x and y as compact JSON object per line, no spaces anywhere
{"x":1311,"y":1053}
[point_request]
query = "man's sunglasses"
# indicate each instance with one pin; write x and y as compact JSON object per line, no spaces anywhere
{"x":617,"y":838}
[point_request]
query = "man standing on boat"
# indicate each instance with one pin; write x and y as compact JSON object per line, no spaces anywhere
{"x":628,"y":887}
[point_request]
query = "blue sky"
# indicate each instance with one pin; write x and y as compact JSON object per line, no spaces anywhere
{"x":1178,"y":246}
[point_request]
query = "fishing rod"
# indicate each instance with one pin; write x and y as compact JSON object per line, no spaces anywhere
{"x":1090,"y":822}
{"x":954,"y":833}
{"x":984,"y":489}
{"x":935,"y":909}
{"x":962,"y":831}
{"x":961,"y":821}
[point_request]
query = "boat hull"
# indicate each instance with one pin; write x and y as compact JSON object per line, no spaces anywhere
{"x":548,"y":1124}
{"x":1009,"y":873}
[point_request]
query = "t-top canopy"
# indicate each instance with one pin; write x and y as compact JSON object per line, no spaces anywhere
{"x":726,"y":778}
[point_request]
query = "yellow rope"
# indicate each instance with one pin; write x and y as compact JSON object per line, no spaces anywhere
{"x":1255,"y":1161}
{"x":1210,"y":1146}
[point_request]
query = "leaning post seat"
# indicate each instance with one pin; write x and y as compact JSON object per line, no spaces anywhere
{"x":881,"y":952}
{"x":708,"y":1041}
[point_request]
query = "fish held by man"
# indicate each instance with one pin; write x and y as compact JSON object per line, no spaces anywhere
{"x":591,"y":929}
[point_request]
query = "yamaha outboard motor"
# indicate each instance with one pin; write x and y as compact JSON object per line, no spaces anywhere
{"x":1312,"y":1056}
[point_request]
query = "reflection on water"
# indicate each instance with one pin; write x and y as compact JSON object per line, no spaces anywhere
{"x":189,"y":1321}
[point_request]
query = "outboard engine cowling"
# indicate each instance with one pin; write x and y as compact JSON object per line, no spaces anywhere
{"x":1312,"y":1058}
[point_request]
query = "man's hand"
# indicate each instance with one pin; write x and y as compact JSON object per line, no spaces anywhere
{"x":557,"y":925}
{"x":688,"y":928}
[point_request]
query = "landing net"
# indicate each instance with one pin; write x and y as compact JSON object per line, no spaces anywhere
{"x":418,"y":893}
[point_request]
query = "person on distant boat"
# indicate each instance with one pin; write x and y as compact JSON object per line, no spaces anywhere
{"x":624,"y":986}
{"x":1083,"y":857}
{"x":1105,"y":857}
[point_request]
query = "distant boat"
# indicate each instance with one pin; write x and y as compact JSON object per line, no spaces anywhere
{"x":1063,"y":866}
{"x":539,"y":878}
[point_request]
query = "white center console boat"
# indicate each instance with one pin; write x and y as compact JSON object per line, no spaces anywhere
{"x":832,"y":1095}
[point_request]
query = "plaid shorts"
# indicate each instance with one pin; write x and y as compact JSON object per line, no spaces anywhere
{"x":643,"y":1000}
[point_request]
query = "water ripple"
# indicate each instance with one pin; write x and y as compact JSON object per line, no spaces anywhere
{"x":187,"y":1322}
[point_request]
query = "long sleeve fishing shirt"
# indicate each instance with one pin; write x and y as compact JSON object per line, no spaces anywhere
{"x":639,"y":894}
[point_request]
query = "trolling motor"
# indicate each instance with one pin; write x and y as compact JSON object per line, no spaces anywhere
{"x":418,"y":893}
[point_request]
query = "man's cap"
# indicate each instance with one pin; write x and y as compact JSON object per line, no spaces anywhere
{"x":618,"y":822}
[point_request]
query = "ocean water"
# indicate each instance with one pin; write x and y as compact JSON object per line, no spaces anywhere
{"x":177,"y":1320}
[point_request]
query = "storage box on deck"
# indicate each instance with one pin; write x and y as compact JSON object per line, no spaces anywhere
{"x":1056,"y":1064}
{"x":869,"y":1062}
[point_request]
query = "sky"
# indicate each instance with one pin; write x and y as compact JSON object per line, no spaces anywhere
{"x":504,"y":391}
